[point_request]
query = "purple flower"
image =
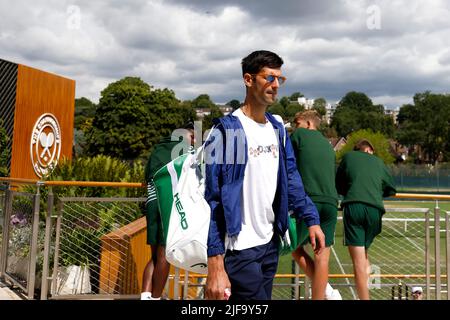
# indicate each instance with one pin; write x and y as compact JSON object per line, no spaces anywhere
{"x":18,"y":220}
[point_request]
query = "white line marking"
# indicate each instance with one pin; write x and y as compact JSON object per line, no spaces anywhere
{"x":343,"y":272}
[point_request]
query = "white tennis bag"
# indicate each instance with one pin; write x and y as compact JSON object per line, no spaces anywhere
{"x":187,"y":236}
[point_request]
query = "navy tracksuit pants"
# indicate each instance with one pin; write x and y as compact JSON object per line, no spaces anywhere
{"x":252,"y":271}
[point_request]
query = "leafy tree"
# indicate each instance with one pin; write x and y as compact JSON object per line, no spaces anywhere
{"x":202,"y":101}
{"x":84,"y":115}
{"x":84,"y":110}
{"x":292,"y":109}
{"x":215,"y":112}
{"x":121,"y":121}
{"x":186,"y":112}
{"x":235,"y":104}
{"x":131,"y":117}
{"x":320,"y":105}
{"x":356,"y":101}
{"x":345,"y":121}
{"x":295,"y":96}
{"x":277,"y":108}
{"x":286,"y":108}
{"x":328,"y":131}
{"x":426,"y":123}
{"x":285,"y":101}
{"x":379,"y":141}
{"x":167,"y":113}
{"x":4,"y":152}
{"x":356,"y":111}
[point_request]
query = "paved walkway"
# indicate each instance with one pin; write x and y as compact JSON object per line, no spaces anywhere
{"x":7,"y":294}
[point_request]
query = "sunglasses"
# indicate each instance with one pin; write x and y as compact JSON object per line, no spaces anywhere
{"x":271,"y":78}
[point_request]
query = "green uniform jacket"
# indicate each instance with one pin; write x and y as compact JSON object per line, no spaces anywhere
{"x":160,"y":156}
{"x":363,"y":177}
{"x":316,"y":162}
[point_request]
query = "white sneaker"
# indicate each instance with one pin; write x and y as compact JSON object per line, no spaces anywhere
{"x":146,"y":296}
{"x":335,"y":295}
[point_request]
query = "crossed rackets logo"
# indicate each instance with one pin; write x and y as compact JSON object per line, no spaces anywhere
{"x":45,"y":144}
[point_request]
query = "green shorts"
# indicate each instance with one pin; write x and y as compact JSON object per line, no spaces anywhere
{"x":155,"y":235}
{"x":362,"y":223}
{"x":328,"y":218}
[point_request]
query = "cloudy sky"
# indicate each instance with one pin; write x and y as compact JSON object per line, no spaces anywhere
{"x":389,"y":49}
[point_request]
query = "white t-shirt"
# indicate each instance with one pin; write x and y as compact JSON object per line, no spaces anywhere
{"x":260,"y":184}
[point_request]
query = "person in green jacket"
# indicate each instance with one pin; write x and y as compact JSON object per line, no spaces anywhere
{"x":157,"y":269}
{"x":316,"y":162}
{"x":363,"y":180}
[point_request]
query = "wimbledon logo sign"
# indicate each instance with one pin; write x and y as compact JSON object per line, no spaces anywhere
{"x":45,"y":146}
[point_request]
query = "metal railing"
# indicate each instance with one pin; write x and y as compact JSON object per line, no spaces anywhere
{"x":54,"y":226}
{"x":300,"y":289}
{"x":72,"y":241}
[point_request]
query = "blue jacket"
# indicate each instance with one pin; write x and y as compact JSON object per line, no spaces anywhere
{"x":225,"y":177}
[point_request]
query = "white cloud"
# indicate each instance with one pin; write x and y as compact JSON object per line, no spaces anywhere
{"x":196,"y":46}
{"x":392,"y":100}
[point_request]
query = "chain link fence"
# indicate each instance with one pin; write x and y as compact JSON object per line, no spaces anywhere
{"x":20,"y":231}
{"x":97,"y":243}
{"x":398,"y":251}
{"x":422,"y":177}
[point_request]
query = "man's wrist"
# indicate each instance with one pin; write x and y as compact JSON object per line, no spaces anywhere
{"x":215,"y":263}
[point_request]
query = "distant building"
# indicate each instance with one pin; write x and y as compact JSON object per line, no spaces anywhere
{"x":309,"y":103}
{"x":330,"y":108}
{"x":202,"y":112}
{"x":337,"y":143}
{"x":392,"y":113}
{"x":225,"y":109}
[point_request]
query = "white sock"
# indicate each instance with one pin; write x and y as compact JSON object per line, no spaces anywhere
{"x":146,"y":296}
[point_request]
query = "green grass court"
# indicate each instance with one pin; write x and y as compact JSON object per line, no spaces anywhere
{"x":399,"y":249}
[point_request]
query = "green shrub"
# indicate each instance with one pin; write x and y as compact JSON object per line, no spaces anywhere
{"x":100,"y":168}
{"x":377,"y":139}
{"x":84,"y":223}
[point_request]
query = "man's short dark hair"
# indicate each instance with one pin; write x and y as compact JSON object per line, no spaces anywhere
{"x":362,"y":144}
{"x":255,"y":61}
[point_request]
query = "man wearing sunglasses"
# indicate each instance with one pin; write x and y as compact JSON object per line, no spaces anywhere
{"x":251,"y":182}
